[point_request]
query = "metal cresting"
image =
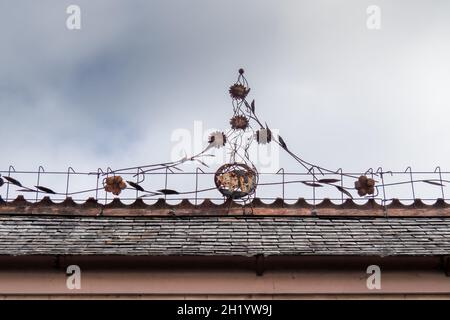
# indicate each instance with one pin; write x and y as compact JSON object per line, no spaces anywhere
{"x":237,"y":179}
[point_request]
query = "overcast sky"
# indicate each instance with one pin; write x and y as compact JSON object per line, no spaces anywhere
{"x":114,"y":92}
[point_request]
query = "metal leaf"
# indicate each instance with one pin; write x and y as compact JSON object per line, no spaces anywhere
{"x":225,"y":192}
{"x":283,"y":144}
{"x":344,"y":191}
{"x":1,"y":182}
{"x":13,"y":181}
{"x":26,"y":190}
{"x":434,"y":183}
{"x":184,"y":159}
{"x":253,"y":106}
{"x":201,"y":162}
{"x":312,"y":184}
{"x":238,"y":194}
{"x":135,"y":185}
{"x":46,"y":190}
{"x":168,"y":191}
{"x":329,"y":180}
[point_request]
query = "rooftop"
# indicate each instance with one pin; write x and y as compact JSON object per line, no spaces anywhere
{"x":225,"y":236}
{"x":228,"y":229}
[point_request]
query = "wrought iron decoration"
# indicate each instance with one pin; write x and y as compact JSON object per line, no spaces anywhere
{"x":238,"y":178}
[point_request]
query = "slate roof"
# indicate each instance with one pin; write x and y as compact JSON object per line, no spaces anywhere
{"x":221,"y":235}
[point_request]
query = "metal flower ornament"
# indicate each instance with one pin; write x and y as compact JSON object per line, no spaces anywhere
{"x":238,"y":178}
{"x":115,"y":185}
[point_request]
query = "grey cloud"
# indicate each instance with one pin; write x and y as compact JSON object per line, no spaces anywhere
{"x":113,"y":92}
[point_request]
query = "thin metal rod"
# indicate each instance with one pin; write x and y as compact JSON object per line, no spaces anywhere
{"x":165,"y":183}
{"x":108,"y":172}
{"x":212,"y":172}
{"x":99,"y":171}
{"x":412,"y":182}
{"x":38,"y":181}
{"x":282,"y":182}
{"x":438,"y":169}
{"x":197,"y":170}
{"x":7,"y":185}
{"x":69,"y":170}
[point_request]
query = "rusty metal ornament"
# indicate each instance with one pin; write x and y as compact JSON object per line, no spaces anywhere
{"x":239,"y":123}
{"x":263,"y":136}
{"x":365,"y":186}
{"x":114,"y":184}
{"x":236,"y":180}
{"x":238,"y":91}
{"x":217,"y":139}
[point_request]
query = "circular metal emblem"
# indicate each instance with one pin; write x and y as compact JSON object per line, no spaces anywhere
{"x":236,"y":180}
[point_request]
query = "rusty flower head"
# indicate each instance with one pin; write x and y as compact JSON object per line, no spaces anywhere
{"x":238,"y":91}
{"x":263,"y":136}
{"x":115,"y":185}
{"x":365,"y":186}
{"x":239,"y":122}
{"x":217,"y":139}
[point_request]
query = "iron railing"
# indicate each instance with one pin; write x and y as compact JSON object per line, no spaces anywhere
{"x":198,"y":185}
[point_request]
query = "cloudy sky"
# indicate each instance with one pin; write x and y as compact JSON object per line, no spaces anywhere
{"x":114,"y":92}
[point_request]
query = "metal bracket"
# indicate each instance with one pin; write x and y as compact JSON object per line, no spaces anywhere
{"x":445,"y":262}
{"x":259,"y":264}
{"x":57,"y":262}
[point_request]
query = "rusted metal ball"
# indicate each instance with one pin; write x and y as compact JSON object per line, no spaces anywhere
{"x":236,"y":180}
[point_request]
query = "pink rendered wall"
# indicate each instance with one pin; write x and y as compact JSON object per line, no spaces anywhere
{"x":181,"y":276}
{"x":217,"y":282}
